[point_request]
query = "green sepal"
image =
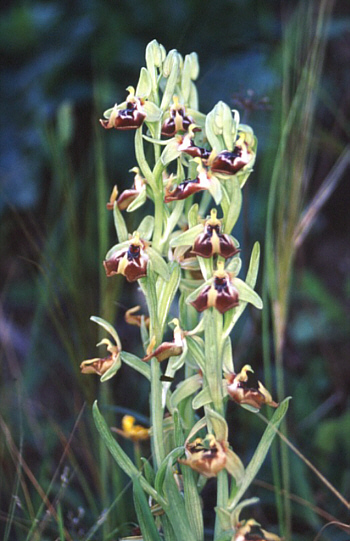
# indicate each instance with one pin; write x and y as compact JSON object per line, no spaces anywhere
{"x":188,"y":237}
{"x":227,"y":361}
{"x":215,"y":142}
{"x":185,"y":389}
{"x":116,"y":248}
{"x":192,"y":296}
{"x":119,"y":223}
{"x":171,"y":70}
{"x":235,"y":518}
{"x":112,"y":370}
{"x":109,"y":328}
{"x":186,"y":79}
{"x":203,"y":398}
{"x":144,"y":86}
{"x":219,"y":424}
{"x":135,"y":362}
{"x":192,"y":216}
{"x":119,"y":455}
{"x":171,"y":152}
{"x":153,"y":113}
{"x":234,"y":466}
{"x":231,"y":203}
{"x":260,"y":452}
{"x":146,"y":227}
{"x":187,"y":285}
{"x":206,"y":266}
{"x":158,"y":263}
{"x":247,"y":294}
{"x":143,"y":512}
{"x":215,"y":189}
{"x":234,"y":265}
{"x":138,"y":201}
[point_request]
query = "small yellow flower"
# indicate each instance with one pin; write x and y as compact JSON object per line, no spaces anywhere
{"x":131,"y":431}
{"x":249,"y":530}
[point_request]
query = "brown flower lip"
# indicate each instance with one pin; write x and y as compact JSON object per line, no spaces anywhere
{"x":229,"y":163}
{"x":100,"y":366}
{"x":129,"y":118}
{"x":183,"y":190}
{"x":212,"y":241}
{"x":131,"y":262}
{"x":244,"y":388}
{"x":221,"y":294}
{"x":207,"y":460}
{"x":166,"y":349}
{"x":178,"y":120}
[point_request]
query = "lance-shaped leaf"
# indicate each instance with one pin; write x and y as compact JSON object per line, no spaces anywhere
{"x":247,"y":294}
{"x":185,"y":389}
{"x":260,"y":452}
{"x":196,"y":348}
{"x":232,"y":316}
{"x":119,"y":455}
{"x":135,"y":362}
{"x":109,"y":328}
{"x":143,"y":512}
{"x":219,"y":424}
{"x":137,"y":202}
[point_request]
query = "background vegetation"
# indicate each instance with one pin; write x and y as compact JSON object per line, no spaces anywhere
{"x":284,"y":66}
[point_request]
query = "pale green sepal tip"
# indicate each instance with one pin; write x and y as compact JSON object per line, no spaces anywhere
{"x":144,"y":86}
{"x":146,"y":227}
{"x":138,"y":202}
{"x":153,"y":113}
{"x":112,"y":370}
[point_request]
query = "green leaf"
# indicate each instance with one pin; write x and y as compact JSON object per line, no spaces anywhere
{"x":168,"y":292}
{"x":224,"y":518}
{"x":176,"y":510}
{"x":247,"y":294}
{"x":166,"y":463}
{"x":260,"y":452}
{"x":187,"y":238}
{"x":109,"y":328}
{"x":196,"y":348}
{"x":119,"y":455}
{"x":210,"y":129}
{"x":203,"y":398}
{"x":143,"y":512}
{"x":119,"y":223}
{"x":234,"y":265}
{"x":159,"y":265}
{"x":215,"y":189}
{"x":231,"y":203}
{"x":148,"y":286}
{"x":185,"y":389}
{"x":148,"y":471}
{"x":232,"y":316}
{"x":135,"y":362}
{"x":144,"y":86}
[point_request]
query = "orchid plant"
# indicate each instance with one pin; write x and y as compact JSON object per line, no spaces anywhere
{"x":193,"y":167}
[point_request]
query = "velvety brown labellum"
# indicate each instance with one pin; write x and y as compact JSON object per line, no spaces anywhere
{"x":230,"y":163}
{"x":212,"y":241}
{"x":129,"y":118}
{"x":183,"y":190}
{"x":132,"y":263}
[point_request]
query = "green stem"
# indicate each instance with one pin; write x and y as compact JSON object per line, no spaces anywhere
{"x":158,"y":449}
{"x":221,"y":498}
